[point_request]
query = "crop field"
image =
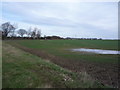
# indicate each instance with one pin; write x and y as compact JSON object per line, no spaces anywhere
{"x":103,"y":68}
{"x":23,"y":70}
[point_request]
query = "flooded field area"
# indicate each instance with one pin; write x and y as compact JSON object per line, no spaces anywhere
{"x":97,"y":51}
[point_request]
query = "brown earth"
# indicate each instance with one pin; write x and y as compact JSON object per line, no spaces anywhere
{"x":107,"y":74}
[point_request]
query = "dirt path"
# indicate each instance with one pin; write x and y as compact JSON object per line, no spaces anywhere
{"x":107,"y":74}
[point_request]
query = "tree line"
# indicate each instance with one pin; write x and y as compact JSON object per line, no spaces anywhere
{"x":10,"y":30}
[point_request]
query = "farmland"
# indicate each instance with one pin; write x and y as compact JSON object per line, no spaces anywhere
{"x":103,"y":68}
{"x":61,"y":48}
{"x":24,"y":70}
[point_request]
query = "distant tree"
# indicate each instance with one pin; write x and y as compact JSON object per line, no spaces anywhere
{"x":22,"y":32}
{"x":38,"y":33}
{"x":33,"y":34}
{"x":29,"y":32}
{"x":7,"y":28}
{"x":12,"y":33}
{"x":44,"y":37}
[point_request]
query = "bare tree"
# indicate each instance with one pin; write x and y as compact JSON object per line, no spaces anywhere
{"x":7,"y":28}
{"x":34,"y":33}
{"x":38,"y":33}
{"x":22,"y":32}
{"x":12,"y":33}
{"x":29,"y":32}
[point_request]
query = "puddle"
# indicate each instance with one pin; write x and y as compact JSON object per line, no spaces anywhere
{"x":97,"y":51}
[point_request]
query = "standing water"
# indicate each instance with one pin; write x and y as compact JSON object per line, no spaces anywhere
{"x":97,"y":51}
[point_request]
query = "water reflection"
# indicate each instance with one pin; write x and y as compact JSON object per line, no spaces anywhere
{"x":97,"y":51}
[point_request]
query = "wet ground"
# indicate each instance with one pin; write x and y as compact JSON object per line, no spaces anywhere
{"x":96,"y":51}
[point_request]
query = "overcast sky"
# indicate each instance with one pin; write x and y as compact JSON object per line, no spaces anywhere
{"x":81,"y":19}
